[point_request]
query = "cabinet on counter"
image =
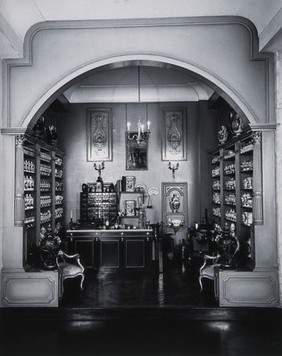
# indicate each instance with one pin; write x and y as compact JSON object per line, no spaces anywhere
{"x":113,"y":249}
{"x":98,"y":204}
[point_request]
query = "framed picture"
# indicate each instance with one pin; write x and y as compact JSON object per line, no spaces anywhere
{"x":174,"y":134}
{"x":99,"y":134}
{"x":129,"y":183}
{"x":130,"y":206}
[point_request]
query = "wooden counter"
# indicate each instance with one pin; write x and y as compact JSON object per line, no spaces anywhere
{"x":116,"y":249}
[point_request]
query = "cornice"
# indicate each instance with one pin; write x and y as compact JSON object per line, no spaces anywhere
{"x":27,"y":58}
{"x":134,"y":23}
{"x":270,"y":31}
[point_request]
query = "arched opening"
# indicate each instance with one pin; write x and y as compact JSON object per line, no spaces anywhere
{"x":165,"y":88}
{"x":200,"y":74}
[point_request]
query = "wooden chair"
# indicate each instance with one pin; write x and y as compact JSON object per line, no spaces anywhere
{"x":69,"y":266}
{"x":226,"y":246}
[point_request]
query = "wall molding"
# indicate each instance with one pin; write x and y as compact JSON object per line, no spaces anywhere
{"x":214,"y":80}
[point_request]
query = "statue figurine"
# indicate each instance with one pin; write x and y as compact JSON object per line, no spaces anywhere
{"x":236,"y":124}
{"x":222,"y":134}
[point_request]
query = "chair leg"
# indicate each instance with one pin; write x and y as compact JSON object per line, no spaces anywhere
{"x":201,"y":284}
{"x":81,"y":283}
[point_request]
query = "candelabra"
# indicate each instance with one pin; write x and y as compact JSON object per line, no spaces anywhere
{"x":99,"y":167}
{"x":141,"y":135}
{"x":173,"y":166}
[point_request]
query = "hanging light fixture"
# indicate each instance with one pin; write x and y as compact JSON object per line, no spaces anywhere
{"x":141,"y":135}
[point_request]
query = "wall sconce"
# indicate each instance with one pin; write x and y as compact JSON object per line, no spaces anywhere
{"x":173,"y":166}
{"x":141,"y":134}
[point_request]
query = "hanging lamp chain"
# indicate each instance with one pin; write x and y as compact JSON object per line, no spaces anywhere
{"x":139,"y":92}
{"x":138,"y":82}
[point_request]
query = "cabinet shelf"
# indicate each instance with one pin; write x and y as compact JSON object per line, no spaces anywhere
{"x":237,"y":161}
{"x":28,"y":171}
{"x":38,"y":165}
{"x":247,"y":149}
{"x":230,"y":204}
{"x":230,"y":219}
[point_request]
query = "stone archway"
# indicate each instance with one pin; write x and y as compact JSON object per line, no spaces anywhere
{"x":50,"y":65}
{"x":223,"y":89}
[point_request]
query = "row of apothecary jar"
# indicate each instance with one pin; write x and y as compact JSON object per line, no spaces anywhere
{"x":45,"y":216}
{"x":28,"y":202}
{"x":29,"y":166}
{"x":45,"y":170}
{"x":28,"y":183}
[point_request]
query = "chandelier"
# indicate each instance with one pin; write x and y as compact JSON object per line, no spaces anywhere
{"x":142,"y":134}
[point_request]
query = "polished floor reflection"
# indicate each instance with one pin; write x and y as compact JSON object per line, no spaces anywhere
{"x":141,"y":337}
{"x":140,"y":314}
{"x":177,"y":286}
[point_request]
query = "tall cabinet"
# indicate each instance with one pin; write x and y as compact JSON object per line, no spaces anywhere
{"x":43,"y":191}
{"x":233,"y":165}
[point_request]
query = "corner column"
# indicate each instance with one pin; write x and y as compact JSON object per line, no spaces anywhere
{"x":278,"y":142}
{"x":19,"y":181}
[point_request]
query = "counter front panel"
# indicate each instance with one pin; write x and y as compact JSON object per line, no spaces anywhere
{"x":113,"y":249}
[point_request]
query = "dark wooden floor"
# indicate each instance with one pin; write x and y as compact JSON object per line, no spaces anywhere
{"x":140,"y":314}
{"x":177,"y":286}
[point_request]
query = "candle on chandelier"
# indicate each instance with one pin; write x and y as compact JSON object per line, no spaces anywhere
{"x":148,"y":125}
{"x":128,"y":126}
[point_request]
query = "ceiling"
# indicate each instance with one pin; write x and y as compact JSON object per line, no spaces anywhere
{"x":17,"y":16}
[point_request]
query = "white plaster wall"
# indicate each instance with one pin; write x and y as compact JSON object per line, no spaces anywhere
{"x":72,"y":139}
{"x":278,"y":104}
{"x":1,"y":179}
{"x":1,"y":201}
{"x":221,"y":53}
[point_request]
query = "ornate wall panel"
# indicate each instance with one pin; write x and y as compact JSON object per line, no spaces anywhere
{"x":30,"y":289}
{"x":252,"y":289}
{"x":99,"y":134}
{"x":174,"y":204}
{"x":174,"y":134}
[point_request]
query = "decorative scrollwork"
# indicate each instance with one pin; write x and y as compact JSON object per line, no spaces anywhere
{"x":257,"y":136}
{"x":20,"y":140}
{"x":174,"y":136}
{"x":99,"y":135}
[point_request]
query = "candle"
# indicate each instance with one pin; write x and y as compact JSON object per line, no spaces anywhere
{"x":128,"y":126}
{"x":148,"y":124}
{"x":71,"y":214}
{"x":142,"y":128}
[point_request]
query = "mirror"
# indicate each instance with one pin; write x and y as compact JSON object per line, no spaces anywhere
{"x":136,"y":154}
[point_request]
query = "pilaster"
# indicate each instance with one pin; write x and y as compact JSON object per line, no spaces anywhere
{"x":278,"y":106}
